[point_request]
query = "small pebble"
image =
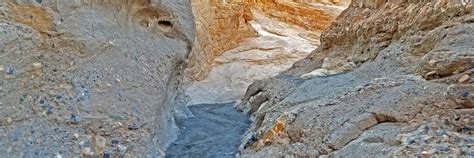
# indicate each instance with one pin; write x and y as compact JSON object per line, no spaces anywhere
{"x":10,"y":70}
{"x":463,"y":78}
{"x":59,"y":97}
{"x":9,"y":120}
{"x":443,"y":148}
{"x":58,"y":155}
{"x":134,"y":127}
{"x":75,"y":136}
{"x":431,"y":62}
{"x":465,"y":94}
{"x":425,"y":153}
{"x":411,"y":141}
{"x":75,"y":119}
{"x":442,"y":132}
{"x":106,"y":155}
{"x":50,"y":110}
{"x":122,"y":148}
{"x":37,"y":65}
{"x":115,"y":141}
{"x":87,"y":152}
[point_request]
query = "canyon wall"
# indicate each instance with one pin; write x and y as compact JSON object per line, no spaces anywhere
{"x":223,"y":25}
{"x":310,"y":14}
{"x":285,"y":32}
{"x":391,"y":78}
{"x":92,"y":77}
{"x":220,"y":26}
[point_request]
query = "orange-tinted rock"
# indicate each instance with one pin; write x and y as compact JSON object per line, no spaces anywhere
{"x":220,"y":26}
{"x":309,"y":14}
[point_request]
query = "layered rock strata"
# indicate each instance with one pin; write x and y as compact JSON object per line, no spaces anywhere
{"x":283,"y":37}
{"x":224,"y":25}
{"x":220,"y":26}
{"x":276,"y":48}
{"x":313,"y":15}
{"x":391,"y":78}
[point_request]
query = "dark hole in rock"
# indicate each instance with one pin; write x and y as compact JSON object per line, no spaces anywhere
{"x":165,"y":25}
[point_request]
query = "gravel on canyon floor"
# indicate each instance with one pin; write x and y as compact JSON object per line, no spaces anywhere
{"x":214,"y":131}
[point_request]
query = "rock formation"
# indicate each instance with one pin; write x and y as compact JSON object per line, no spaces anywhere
{"x":91,"y":77}
{"x":104,"y":78}
{"x":224,"y":25}
{"x":391,"y":78}
{"x":309,"y":14}
{"x":282,"y":38}
{"x":277,"y":46}
{"x":220,"y":26}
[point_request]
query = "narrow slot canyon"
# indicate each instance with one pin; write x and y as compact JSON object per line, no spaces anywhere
{"x":243,"y":78}
{"x":274,"y":45}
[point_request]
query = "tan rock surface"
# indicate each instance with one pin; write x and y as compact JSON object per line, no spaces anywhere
{"x":220,"y":26}
{"x":310,"y":14}
{"x":276,"y":48}
{"x":223,"y":25}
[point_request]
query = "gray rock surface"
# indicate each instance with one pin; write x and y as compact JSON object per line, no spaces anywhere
{"x":402,"y":87}
{"x":215,"y":131}
{"x":91,"y":77}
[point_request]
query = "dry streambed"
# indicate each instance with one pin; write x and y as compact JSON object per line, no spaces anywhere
{"x":215,"y":131}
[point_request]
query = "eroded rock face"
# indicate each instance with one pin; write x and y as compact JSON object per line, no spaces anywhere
{"x":286,"y":32}
{"x":313,"y":15}
{"x":276,"y":48}
{"x":91,"y":78}
{"x":220,"y":26}
{"x":224,"y":25}
{"x":391,"y":78}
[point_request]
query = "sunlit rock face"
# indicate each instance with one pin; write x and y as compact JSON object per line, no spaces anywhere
{"x":276,"y":48}
{"x":220,"y":26}
{"x":277,"y":44}
{"x":390,"y":79}
{"x":309,"y":14}
{"x":223,"y":25}
{"x":92,"y":77}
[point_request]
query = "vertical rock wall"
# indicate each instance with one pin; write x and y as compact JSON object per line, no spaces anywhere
{"x":309,"y":14}
{"x":220,"y":26}
{"x":91,"y":77}
{"x":223,"y":25}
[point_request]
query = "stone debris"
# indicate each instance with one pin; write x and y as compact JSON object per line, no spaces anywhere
{"x":372,"y":88}
{"x":464,"y":78}
{"x":10,"y":69}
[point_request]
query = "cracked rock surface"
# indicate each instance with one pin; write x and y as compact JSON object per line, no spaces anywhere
{"x":389,"y":79}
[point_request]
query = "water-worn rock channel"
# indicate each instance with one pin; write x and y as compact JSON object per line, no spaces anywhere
{"x":214,"y":131}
